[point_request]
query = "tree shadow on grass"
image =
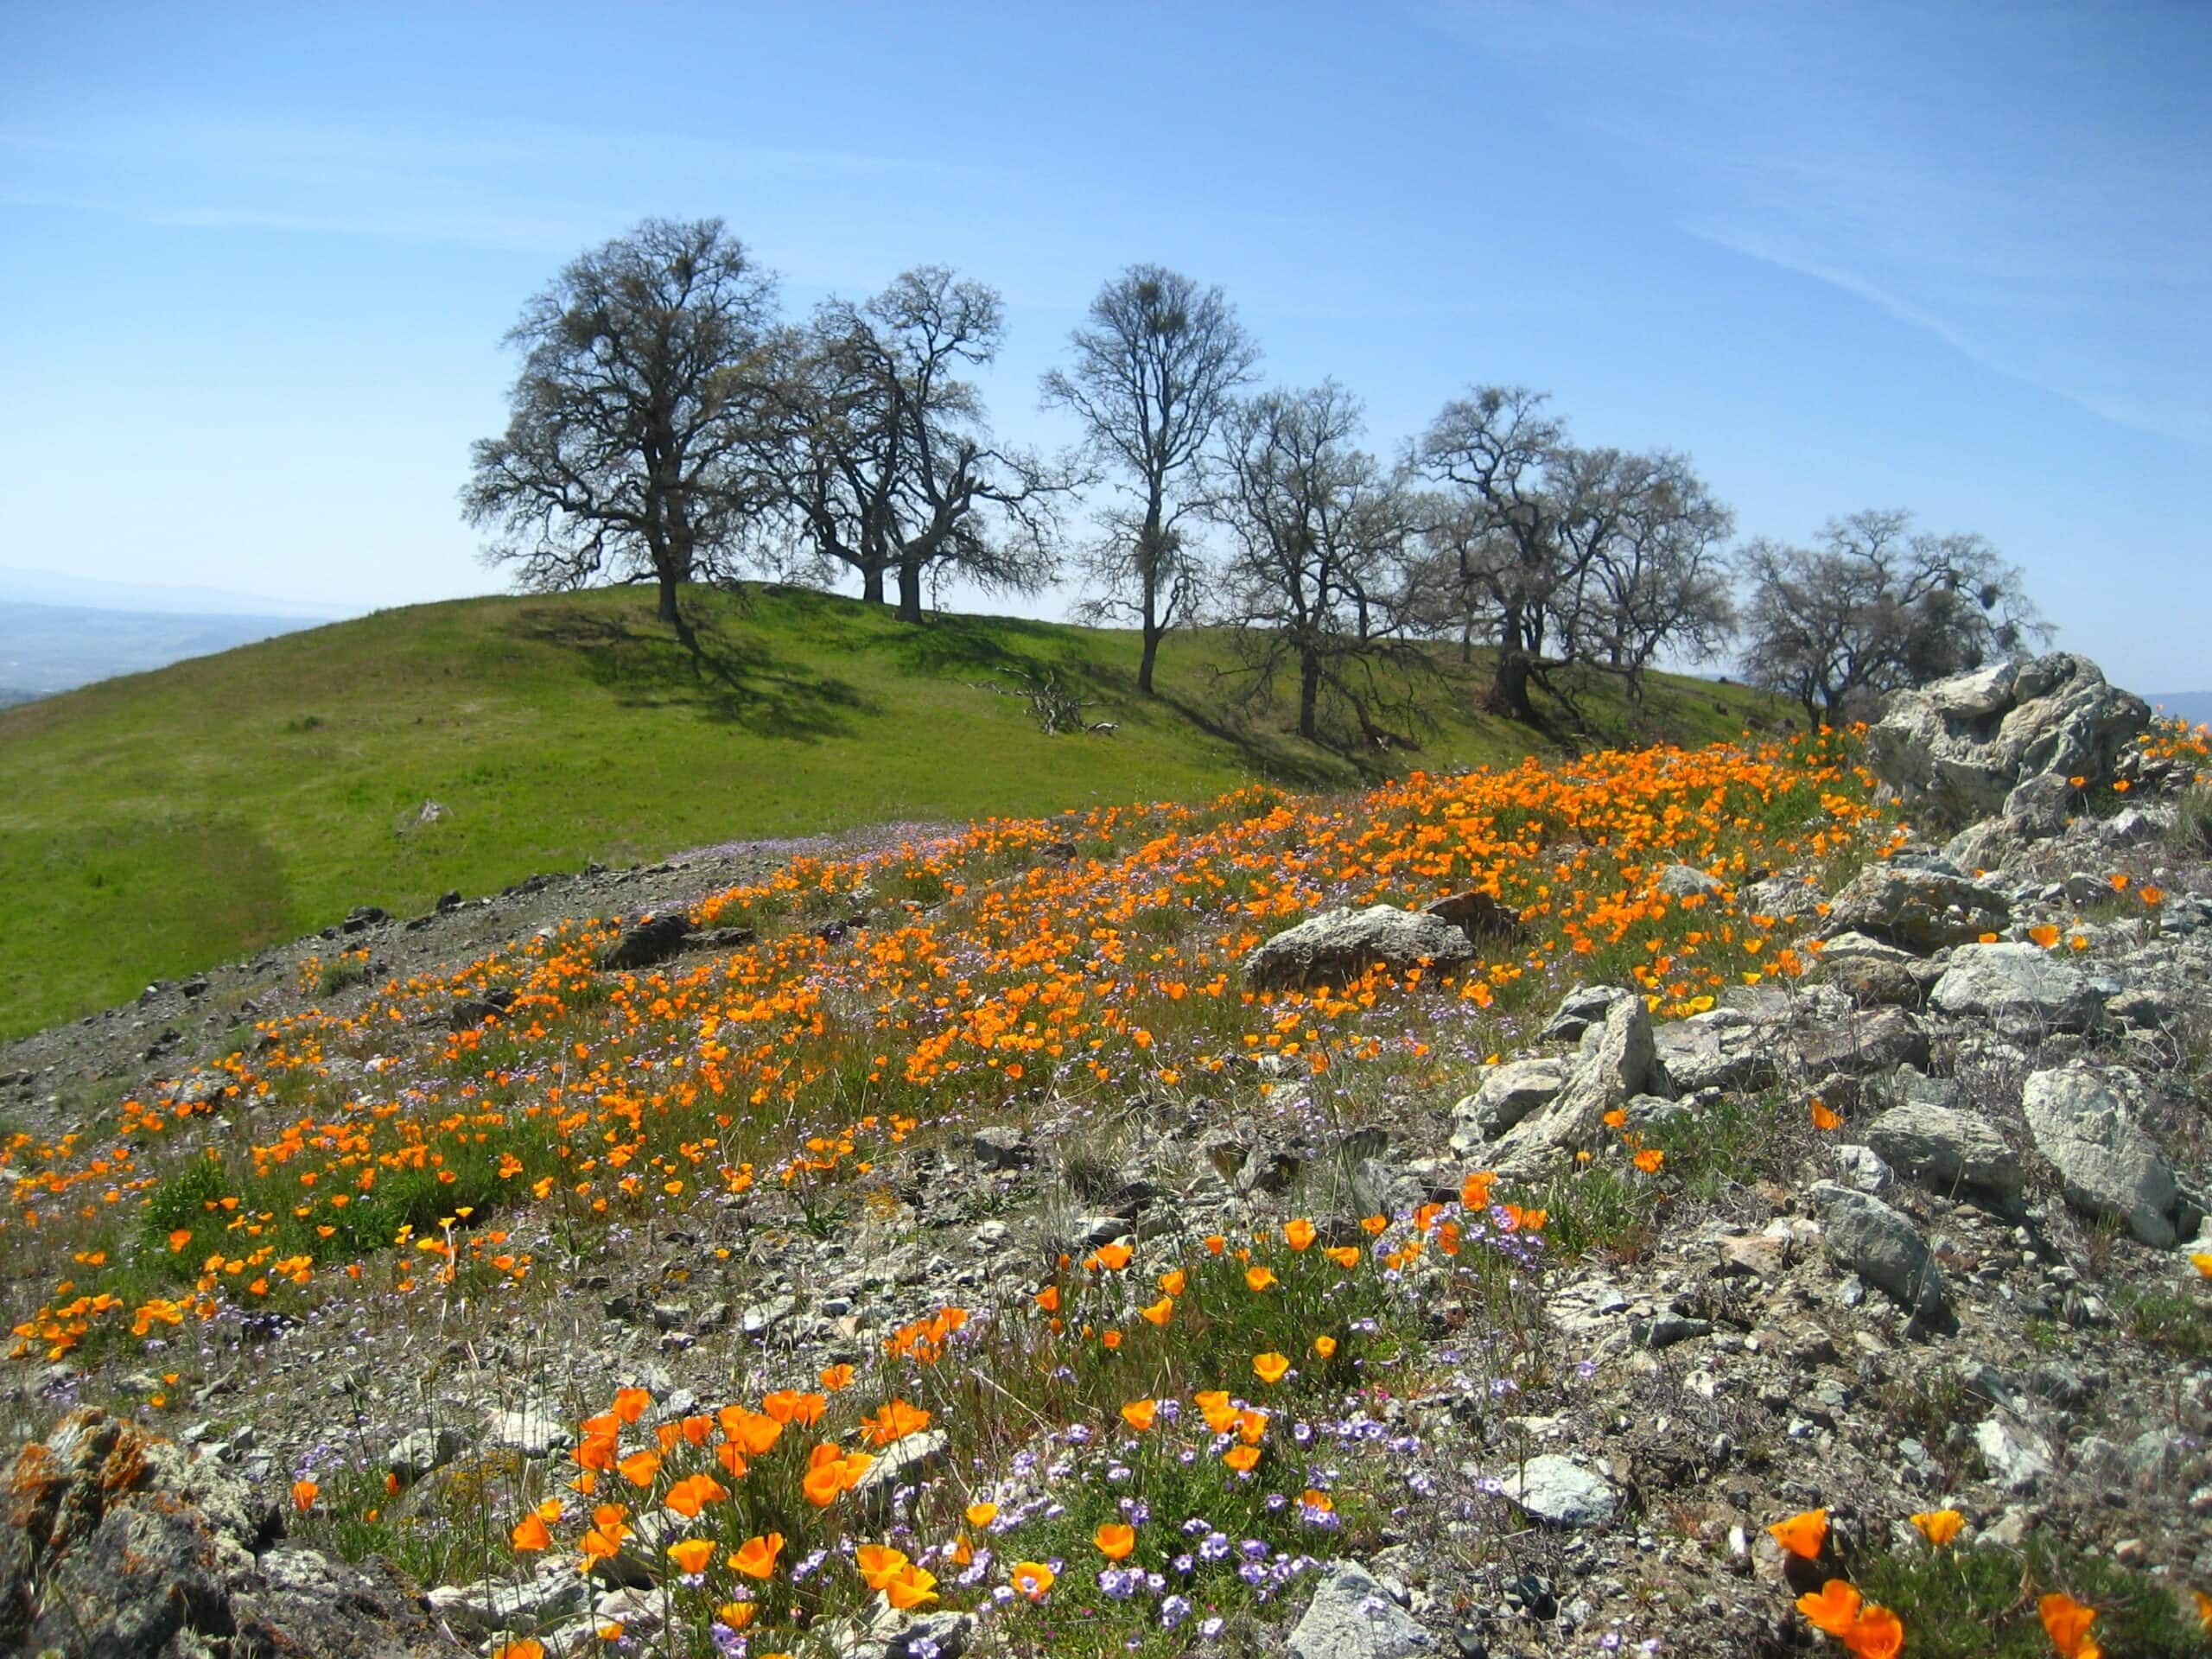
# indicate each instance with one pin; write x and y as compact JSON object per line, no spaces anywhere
{"x":729,"y":680}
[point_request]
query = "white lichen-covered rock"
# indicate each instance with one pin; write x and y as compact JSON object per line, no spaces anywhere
{"x":1338,"y":946}
{"x":1352,"y":1617}
{"x":1961,"y":747}
{"x":2023,"y":990}
{"x":1508,"y":1094}
{"x":1932,"y":1139}
{"x":1561,"y":1492}
{"x":1917,"y":908}
{"x":1865,"y":1234}
{"x":2106,"y":1165}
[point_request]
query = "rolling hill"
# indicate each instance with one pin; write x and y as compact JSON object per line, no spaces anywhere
{"x":160,"y":823}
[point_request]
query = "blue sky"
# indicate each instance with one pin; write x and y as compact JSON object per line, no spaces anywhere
{"x":1956,"y":259}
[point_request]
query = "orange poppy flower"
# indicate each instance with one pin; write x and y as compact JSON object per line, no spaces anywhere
{"x":1031,"y":1579}
{"x":1139,"y":1414}
{"x":981,"y":1515}
{"x":1834,"y":1609}
{"x":1114,"y":1539}
{"x":303,"y":1495}
{"x":2067,"y":1622}
{"x":1878,"y":1634}
{"x":640,"y":1468}
{"x":1114,"y":1257}
{"x":731,"y":1456}
{"x":1259,"y":1279}
{"x":1326,"y":1347}
{"x":878,"y":1563}
{"x":894,"y":1421}
{"x":1802,"y":1535}
{"x":1049,"y":1298}
{"x":531,"y":1533}
{"x":1242,"y":1459}
{"x":1939,"y":1526}
{"x":836,"y":1378}
{"x":1823,"y":1117}
{"x":913,"y":1587}
{"x":630,"y":1404}
{"x":1376,"y":1223}
{"x":1216,"y":1243}
{"x":1172,"y":1283}
{"x":756,"y":1556}
{"x":1345,"y":1255}
{"x":755,"y":1431}
{"x":1650,"y":1160}
{"x":1111,"y":1340}
{"x":1272,"y":1367}
{"x":691,"y":1554}
{"x":1159,"y":1312}
{"x":1299,"y":1234}
{"x":2046,"y":936}
{"x":529,"y":1648}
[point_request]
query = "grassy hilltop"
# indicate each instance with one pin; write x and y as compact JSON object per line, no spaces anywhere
{"x":157,"y":823}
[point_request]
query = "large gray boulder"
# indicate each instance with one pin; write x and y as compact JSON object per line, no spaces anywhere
{"x":2023,"y":990}
{"x":1352,"y":1617}
{"x":1916,"y":908}
{"x":1508,"y":1094}
{"x":1875,"y":1242}
{"x":116,"y":1543}
{"x":1339,"y":946}
{"x":1928,"y":1138}
{"x":1721,"y":1048}
{"x":1960,"y":747}
{"x":1617,"y":1061}
{"x":2108,"y":1166}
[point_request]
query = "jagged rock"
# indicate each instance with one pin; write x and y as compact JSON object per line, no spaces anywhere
{"x":1508,"y":1093}
{"x":1581,"y":1008}
{"x":1561,"y":1492}
{"x":1863,"y":1043}
{"x":1681,"y":880}
{"x":1871,"y":973}
{"x":470,"y":1012}
{"x":496,"y":1604}
{"x":1960,"y":747}
{"x":1993,"y":843}
{"x":536,"y":1430}
{"x":118,"y":1545}
{"x":643,"y":944}
{"x":900,"y":1463}
{"x":1865,"y":1234}
{"x":2106,"y":1166}
{"x":1339,"y":946}
{"x":1722,"y":1048}
{"x":1352,"y":1617}
{"x":1931,"y":1141}
{"x":1785,"y":898}
{"x":2017,"y":1458}
{"x":1618,"y":1060}
{"x":1477,"y":914}
{"x":1000,"y":1146}
{"x":1918,"y":908}
{"x":415,"y":1455}
{"x":2040,"y":806}
{"x":2022,"y":989}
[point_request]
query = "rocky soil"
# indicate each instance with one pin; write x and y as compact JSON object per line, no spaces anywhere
{"x":1977,"y":1293}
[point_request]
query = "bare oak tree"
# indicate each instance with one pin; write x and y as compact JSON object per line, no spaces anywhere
{"x":889,"y":467}
{"x":639,"y":430}
{"x":1872,"y":608}
{"x":1318,"y":579}
{"x":1155,"y":370}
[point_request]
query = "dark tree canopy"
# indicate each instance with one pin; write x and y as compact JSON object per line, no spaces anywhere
{"x":1318,"y":578}
{"x":1155,"y":370}
{"x":1872,"y":608}
{"x":640,"y":422}
{"x":889,"y":467}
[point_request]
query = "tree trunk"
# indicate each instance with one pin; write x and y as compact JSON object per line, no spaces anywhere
{"x":1309,"y":691}
{"x":1148,"y":580}
{"x":668,"y":611}
{"x":1510,"y":689}
{"x":872,"y":584}
{"x":1152,"y":633}
{"x":910,"y":592}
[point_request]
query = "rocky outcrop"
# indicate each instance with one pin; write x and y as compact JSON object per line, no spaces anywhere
{"x":121,"y":1546}
{"x":1962,"y":749}
{"x":1918,"y":908}
{"x":2023,"y":990}
{"x":1617,"y":1062}
{"x":1339,"y":946}
{"x":2106,"y":1165}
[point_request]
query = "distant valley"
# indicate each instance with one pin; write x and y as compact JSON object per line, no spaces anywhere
{"x":49,"y":648}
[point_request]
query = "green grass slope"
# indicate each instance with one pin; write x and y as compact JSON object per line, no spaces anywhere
{"x":160,"y":823}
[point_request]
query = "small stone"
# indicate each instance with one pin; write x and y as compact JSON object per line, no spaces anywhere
{"x":1559,"y":1490}
{"x":1352,"y":1617}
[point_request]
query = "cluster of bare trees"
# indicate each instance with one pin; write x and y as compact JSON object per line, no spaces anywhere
{"x":670,"y":425}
